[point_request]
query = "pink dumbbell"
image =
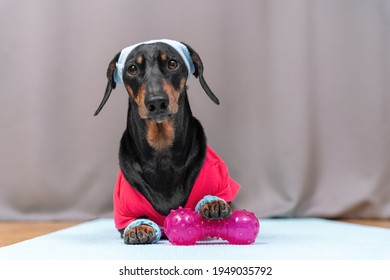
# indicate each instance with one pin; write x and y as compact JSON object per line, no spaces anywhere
{"x":185,"y":226}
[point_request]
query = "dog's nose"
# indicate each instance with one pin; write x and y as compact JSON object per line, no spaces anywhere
{"x":156,"y":104}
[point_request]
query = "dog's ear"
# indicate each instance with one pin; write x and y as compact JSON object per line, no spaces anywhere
{"x":111,"y":84}
{"x":199,"y":73}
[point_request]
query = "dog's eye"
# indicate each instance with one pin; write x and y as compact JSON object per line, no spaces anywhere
{"x":132,"y":70}
{"x":173,"y":64}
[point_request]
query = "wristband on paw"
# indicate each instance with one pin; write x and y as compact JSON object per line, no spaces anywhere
{"x":205,"y":200}
{"x":147,"y":222}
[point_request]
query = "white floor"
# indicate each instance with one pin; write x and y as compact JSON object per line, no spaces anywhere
{"x":279,"y":239}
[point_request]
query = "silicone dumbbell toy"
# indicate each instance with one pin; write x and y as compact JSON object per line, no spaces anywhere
{"x":185,"y":226}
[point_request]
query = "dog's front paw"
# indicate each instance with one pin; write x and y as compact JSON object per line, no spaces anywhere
{"x":142,"y":231}
{"x":215,"y":210}
{"x":142,"y":234}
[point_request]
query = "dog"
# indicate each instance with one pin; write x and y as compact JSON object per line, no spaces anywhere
{"x":165,"y":162}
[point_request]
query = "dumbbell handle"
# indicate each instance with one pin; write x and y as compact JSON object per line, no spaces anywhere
{"x":185,"y":227}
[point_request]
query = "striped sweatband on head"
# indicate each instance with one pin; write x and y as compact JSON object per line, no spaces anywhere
{"x":179,"y":47}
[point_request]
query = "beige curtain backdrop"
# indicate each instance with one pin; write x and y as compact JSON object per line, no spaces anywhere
{"x":304,"y":120}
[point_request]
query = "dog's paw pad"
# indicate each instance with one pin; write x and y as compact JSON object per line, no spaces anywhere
{"x":142,"y":234}
{"x":216,"y":210}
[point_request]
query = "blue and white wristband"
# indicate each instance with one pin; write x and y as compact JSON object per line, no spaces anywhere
{"x":148,"y":222}
{"x":206,"y":199}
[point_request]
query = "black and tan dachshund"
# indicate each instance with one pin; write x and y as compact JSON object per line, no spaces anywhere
{"x":164,"y":159}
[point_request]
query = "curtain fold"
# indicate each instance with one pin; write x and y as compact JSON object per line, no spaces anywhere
{"x":303,"y":125}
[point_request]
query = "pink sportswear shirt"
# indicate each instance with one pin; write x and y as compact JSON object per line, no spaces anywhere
{"x":213,"y":179}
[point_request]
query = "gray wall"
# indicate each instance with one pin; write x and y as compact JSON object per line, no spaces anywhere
{"x":304,"y":122}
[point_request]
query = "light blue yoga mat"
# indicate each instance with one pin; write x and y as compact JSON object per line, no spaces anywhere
{"x":279,"y":239}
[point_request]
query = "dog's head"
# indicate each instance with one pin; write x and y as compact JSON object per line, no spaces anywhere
{"x":155,"y":75}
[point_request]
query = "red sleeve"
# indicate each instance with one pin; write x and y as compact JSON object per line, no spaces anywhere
{"x":122,"y":217}
{"x":228,"y":188}
{"x":224,"y":186}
